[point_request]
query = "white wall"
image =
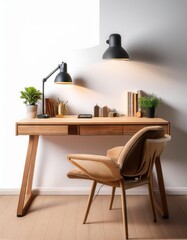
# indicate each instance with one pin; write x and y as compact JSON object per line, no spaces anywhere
{"x":37,"y":35}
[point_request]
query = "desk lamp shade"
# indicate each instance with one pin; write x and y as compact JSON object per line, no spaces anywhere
{"x":63,"y":77}
{"x":115,"y":50}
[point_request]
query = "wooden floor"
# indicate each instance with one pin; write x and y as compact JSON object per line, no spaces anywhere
{"x":60,"y":217}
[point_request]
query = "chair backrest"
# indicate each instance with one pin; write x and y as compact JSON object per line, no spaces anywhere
{"x":152,"y":150}
{"x":132,"y":155}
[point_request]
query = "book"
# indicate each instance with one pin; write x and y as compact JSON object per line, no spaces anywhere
{"x":135,"y":103}
{"x":128,"y":104}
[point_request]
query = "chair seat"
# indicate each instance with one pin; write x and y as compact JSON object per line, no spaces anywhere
{"x":77,"y":173}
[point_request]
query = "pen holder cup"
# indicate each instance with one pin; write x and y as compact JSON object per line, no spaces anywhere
{"x":62,"y":108}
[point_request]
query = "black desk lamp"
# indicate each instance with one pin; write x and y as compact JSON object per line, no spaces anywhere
{"x":115,"y":50}
{"x":62,"y":78}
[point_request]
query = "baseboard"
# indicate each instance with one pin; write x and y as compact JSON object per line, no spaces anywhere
{"x":85,"y":191}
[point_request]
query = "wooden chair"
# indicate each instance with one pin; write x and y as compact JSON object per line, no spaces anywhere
{"x":126,"y":167}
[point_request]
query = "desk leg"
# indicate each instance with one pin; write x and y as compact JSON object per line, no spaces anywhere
{"x":26,"y":197}
{"x":161,"y":186}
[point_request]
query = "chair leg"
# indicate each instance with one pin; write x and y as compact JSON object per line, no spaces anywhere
{"x":150,"y":187}
{"x":124,"y":209}
{"x":91,"y":195}
{"x":112,"y":197}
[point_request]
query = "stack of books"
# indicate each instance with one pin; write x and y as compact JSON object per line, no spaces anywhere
{"x":51,"y":107}
{"x":133,"y":109}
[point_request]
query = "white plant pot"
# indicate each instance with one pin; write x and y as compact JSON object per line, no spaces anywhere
{"x":31,"y":111}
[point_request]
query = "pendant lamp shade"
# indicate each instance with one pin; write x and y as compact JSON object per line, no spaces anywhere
{"x":115,"y":49}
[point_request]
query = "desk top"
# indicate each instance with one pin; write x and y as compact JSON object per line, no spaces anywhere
{"x":71,"y":125}
{"x":73,"y":119}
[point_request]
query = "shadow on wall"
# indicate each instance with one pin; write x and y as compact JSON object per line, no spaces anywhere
{"x":81,"y":82}
{"x":142,"y":53}
{"x":177,"y":149}
{"x":161,"y":46}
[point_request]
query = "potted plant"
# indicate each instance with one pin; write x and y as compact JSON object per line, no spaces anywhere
{"x":31,"y":97}
{"x":148,"y":104}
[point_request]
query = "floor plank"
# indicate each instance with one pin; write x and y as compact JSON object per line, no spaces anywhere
{"x":60,"y":218}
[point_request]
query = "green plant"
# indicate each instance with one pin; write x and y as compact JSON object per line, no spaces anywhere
{"x":31,"y":95}
{"x":151,"y":101}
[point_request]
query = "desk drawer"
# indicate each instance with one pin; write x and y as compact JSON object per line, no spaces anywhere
{"x":131,"y":129}
{"x":42,"y":130}
{"x":91,"y":130}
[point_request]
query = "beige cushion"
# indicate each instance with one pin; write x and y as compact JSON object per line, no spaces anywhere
{"x":77,"y":173}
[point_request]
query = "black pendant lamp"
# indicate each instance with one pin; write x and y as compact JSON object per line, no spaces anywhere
{"x":115,"y":49}
{"x":62,"y":78}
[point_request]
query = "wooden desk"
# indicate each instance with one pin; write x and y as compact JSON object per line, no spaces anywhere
{"x":71,"y":125}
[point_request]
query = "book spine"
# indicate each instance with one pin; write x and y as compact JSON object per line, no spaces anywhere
{"x":135,"y":106}
{"x":128,"y":104}
{"x":132,"y":105}
{"x":139,"y":92}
